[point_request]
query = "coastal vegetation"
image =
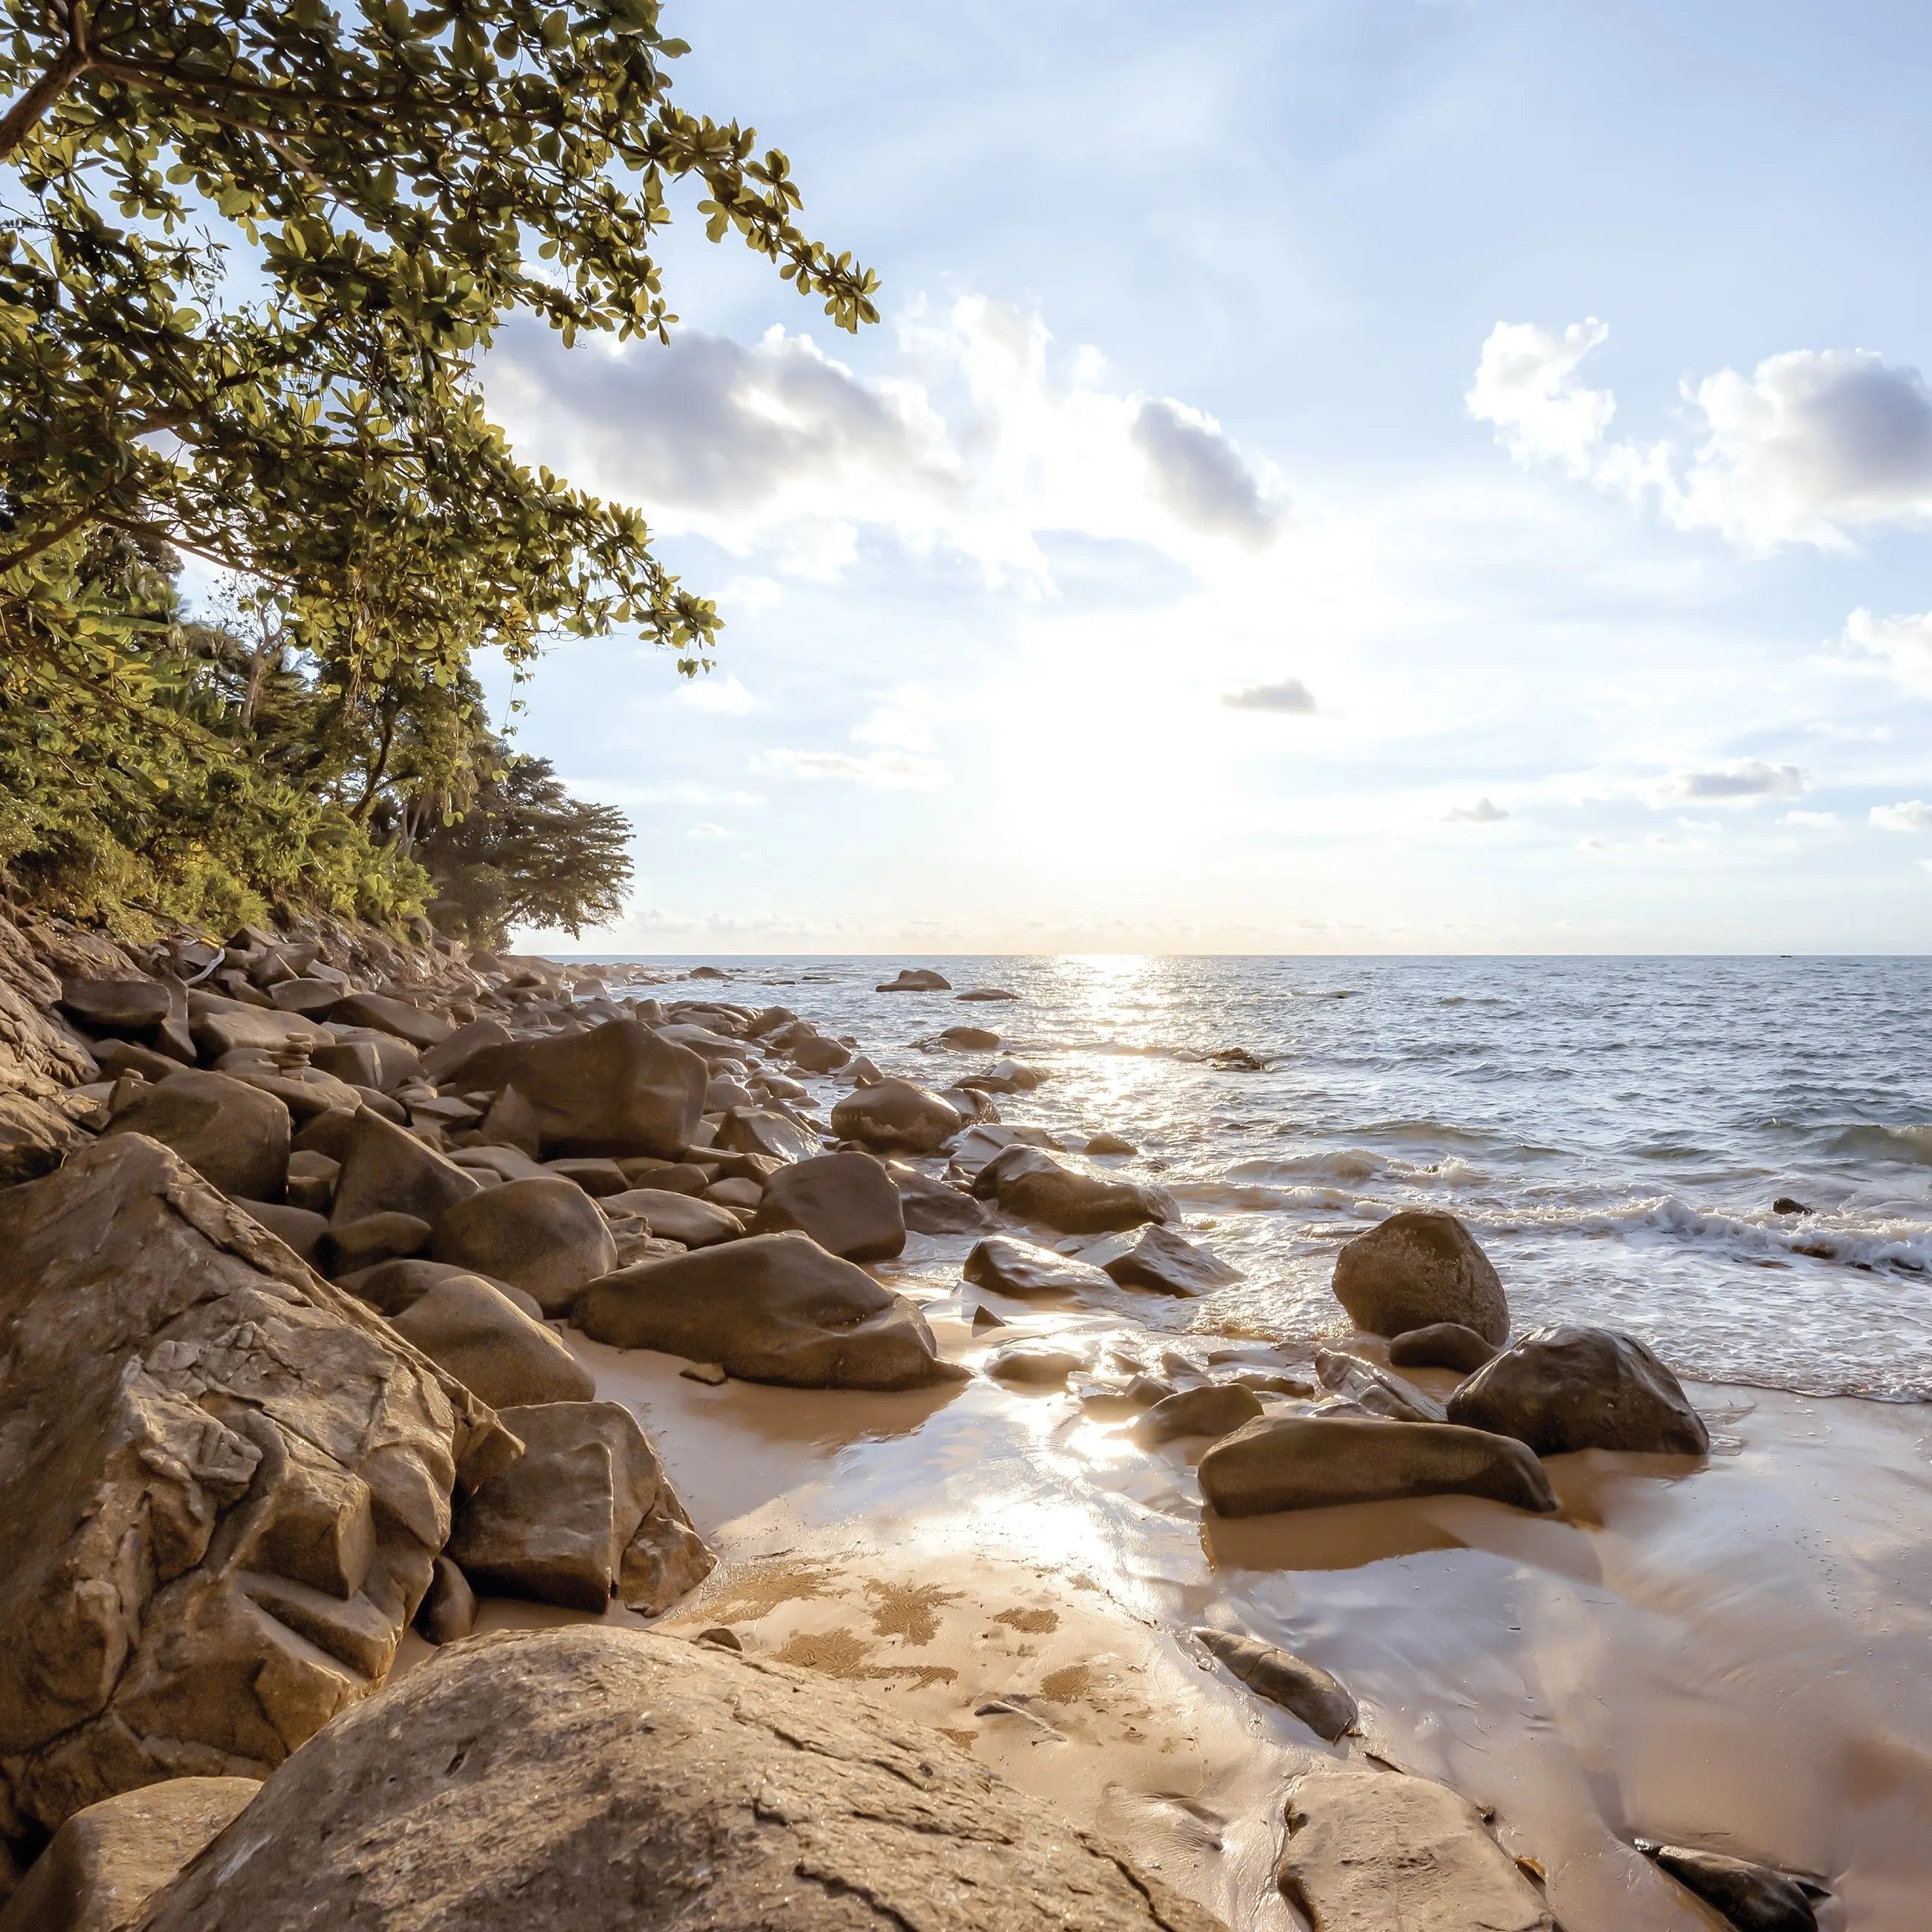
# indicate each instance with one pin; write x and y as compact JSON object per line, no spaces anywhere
{"x":250,"y":255}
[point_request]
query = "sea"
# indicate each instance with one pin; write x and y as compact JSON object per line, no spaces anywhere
{"x":1615,"y":1132}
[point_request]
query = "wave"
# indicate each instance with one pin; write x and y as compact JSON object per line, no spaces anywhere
{"x":1911,"y":1146}
{"x":1355,"y":1165}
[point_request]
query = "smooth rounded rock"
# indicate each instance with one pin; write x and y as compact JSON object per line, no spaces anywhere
{"x":1753,"y":1897}
{"x":1030,"y":1183}
{"x":1417,"y":1268}
{"x":385,"y":1169}
{"x":677,"y":1217}
{"x":846,"y":1202}
{"x":1009,"y":1266}
{"x":1442,"y":1344}
{"x":236,"y":1138}
{"x":1217,"y":1411}
{"x":548,"y":1237}
{"x":1165,"y":1263}
{"x":494,"y":1349}
{"x":1304,"y":1689}
{"x":896,"y":1115}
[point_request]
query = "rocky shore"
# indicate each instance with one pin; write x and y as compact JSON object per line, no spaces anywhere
{"x":334,"y":1277}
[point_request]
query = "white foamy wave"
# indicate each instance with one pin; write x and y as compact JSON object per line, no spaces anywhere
{"x":1912,"y":1145}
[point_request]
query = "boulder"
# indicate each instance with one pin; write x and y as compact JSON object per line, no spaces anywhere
{"x":771,"y":1308}
{"x":1311,"y":1462}
{"x":1753,"y":1897}
{"x":1217,"y":1410}
{"x":367,"y":1243}
{"x":513,"y":1123}
{"x":897,"y":1115}
{"x":970,"y":1039}
{"x":504,"y":1163}
{"x":934,"y":1206}
{"x":917,"y":979}
{"x":382,"y":1014}
{"x":762,"y":1130}
{"x":305,"y":1092}
{"x":677,"y":1217}
{"x":311,"y":1180}
{"x":1417,"y":1268}
{"x":1106,"y":1144}
{"x":311,"y":998}
{"x":1570,"y":1387}
{"x":1028,"y":1182}
{"x":987,"y":993}
{"x":110,"y":1857}
{"x":490,"y":1346}
{"x":598,"y":1175}
{"x":1005,"y":1076}
{"x":1442,"y":1344}
{"x":35,"y":1137}
{"x":226,"y":1482}
{"x":1374,"y":1390}
{"x":130,"y":1008}
{"x":398,"y":1063}
{"x":441,"y":1059}
{"x":597,"y":1777}
{"x":1036,"y":1364}
{"x":1169,"y":1264}
{"x":385,"y":1169}
{"x":234,"y":1136}
{"x":1368,"y":1850}
{"x":448,"y":1612}
{"x":392,"y":1286}
{"x":1302,"y":1689}
{"x":298,"y":1229}
{"x":548,"y":1237}
{"x":813,"y":1053}
{"x":618,"y":1089}
{"x":585,"y":1511}
{"x":221,"y":1026}
{"x":1011,"y":1267}
{"x":846,"y":1202}
{"x":126,"y":1056}
{"x":1785,"y":1204}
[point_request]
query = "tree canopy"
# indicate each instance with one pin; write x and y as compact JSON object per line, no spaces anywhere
{"x":250,"y":253}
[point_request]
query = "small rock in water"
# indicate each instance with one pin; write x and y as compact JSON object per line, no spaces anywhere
{"x":987,"y":993}
{"x":1035,"y":1366}
{"x":1371,"y":1389}
{"x":1442,"y":1344}
{"x":985,"y":1320}
{"x":1012,"y":1266}
{"x":895,"y":1114}
{"x":971,"y":1039}
{"x":1237,"y":1060}
{"x":1417,"y":1268}
{"x":1300,"y":1687}
{"x":1785,"y":1204}
{"x":1110,"y":1144}
{"x":917,"y":979}
{"x":1216,"y":1410}
{"x":1167,"y":1264}
{"x":711,"y":1374}
{"x":1753,"y":1897}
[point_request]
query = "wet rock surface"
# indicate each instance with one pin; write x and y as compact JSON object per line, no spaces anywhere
{"x":1442,"y":1344}
{"x":1418,"y":1268}
{"x":1010,"y":1266}
{"x":1028,"y":1183}
{"x":846,"y":1202}
{"x":1304,"y":1690}
{"x":1753,"y":1897}
{"x":896,"y":1116}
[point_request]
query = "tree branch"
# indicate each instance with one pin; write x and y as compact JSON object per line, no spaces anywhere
{"x":25,"y":115}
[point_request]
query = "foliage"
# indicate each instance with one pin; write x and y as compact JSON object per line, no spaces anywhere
{"x":525,"y":853}
{"x":249,"y":250}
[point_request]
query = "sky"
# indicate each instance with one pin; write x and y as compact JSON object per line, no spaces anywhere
{"x":1365,"y":475}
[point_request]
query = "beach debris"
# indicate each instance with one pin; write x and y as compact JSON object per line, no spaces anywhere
{"x":711,"y":1374}
{"x":107,"y":1861}
{"x":1440,"y":1345}
{"x":547,"y":1237}
{"x":688,"y":1732}
{"x":188,"y":1405}
{"x":1418,"y":1267}
{"x":466,"y":1325}
{"x":1303,"y":1690}
{"x":1372,"y":1390}
{"x":448,"y":1612}
{"x":1166,"y":1263}
{"x":897,"y":1116}
{"x":917,"y":979}
{"x":1030,"y":1183}
{"x":1753,"y":1897}
{"x":1369,"y":1848}
{"x":1312,"y":1462}
{"x":586,"y":1511}
{"x":1573,"y":1388}
{"x":846,"y":1202}
{"x":1010,"y":1266}
{"x":771,"y":1308}
{"x":1036,"y":1364}
{"x":1217,"y":1410}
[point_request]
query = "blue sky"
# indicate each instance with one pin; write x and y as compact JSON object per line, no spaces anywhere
{"x":1393,"y":474}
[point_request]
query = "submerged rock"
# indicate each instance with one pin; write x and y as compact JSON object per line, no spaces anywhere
{"x":1785,"y":1204}
{"x":1302,"y":1689}
{"x":1218,"y":1410}
{"x":1753,"y":1897}
{"x":1369,"y":1851}
{"x":917,"y":979}
{"x":1417,"y":1268}
{"x":970,"y":1039}
{"x":547,"y":1237}
{"x":1573,"y":1388}
{"x":1009,"y":1266}
{"x":1442,"y":1344}
{"x":1311,"y":1462}
{"x":846,"y":1202}
{"x":1028,"y":1182}
{"x":987,"y":993}
{"x":1036,"y":1364}
{"x":1166,"y":1263}
{"x":577,"y":1777}
{"x":108,"y":1859}
{"x":771,"y":1308}
{"x":586,"y":1511}
{"x":897,"y":1115}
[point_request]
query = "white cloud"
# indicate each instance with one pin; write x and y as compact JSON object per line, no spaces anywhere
{"x":902,"y":723}
{"x":708,"y":692}
{"x":1914,"y":815}
{"x":1200,"y":475}
{"x":1291,"y":695}
{"x":1484,"y":811}
{"x":1742,"y":781}
{"x":1812,"y":447}
{"x":1903,"y":645}
{"x":707,"y":832}
{"x":1819,"y":821}
{"x":885,"y":771}
{"x":1527,"y":385}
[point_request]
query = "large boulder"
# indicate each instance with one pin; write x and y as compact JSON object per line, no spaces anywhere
{"x":1217,"y":1410}
{"x":110,"y":1858}
{"x":676,"y":1217}
{"x":1417,"y":1267}
{"x":380,"y":1013}
{"x":586,"y":1509}
{"x":386,"y":1170}
{"x":1570,"y":1387}
{"x":1165,"y":1263}
{"x":1311,"y":1462}
{"x":896,"y":1115}
{"x":445,"y":1055}
{"x":35,"y":1137}
{"x":763,"y":1130}
{"x":219,"y":1026}
{"x":618,"y":1089}
{"x":937,"y":1207}
{"x":488,"y":1343}
{"x":547,"y":1237}
{"x":1370,"y":1850}
{"x":1028,"y":1182}
{"x":392,"y":1286}
{"x":131,"y":1009}
{"x":1012,"y":1266}
{"x":846,"y":1202}
{"x":594,"y":1777}
{"x":226,"y":1483}
{"x":771,"y":1308}
{"x":917,"y":979}
{"x":1442,"y":1344}
{"x":234,"y":1135}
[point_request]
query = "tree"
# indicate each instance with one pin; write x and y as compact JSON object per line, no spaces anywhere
{"x":525,"y":853}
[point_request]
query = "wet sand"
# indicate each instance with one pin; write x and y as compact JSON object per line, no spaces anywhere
{"x":1735,"y":1654}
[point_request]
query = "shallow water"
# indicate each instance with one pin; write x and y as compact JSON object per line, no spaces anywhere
{"x":1615,"y":1131}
